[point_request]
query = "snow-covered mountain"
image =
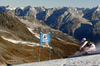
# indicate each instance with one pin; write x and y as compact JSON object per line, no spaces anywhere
{"x":10,"y":7}
{"x":66,"y":19}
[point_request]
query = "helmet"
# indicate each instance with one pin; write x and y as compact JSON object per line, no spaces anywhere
{"x":83,"y":40}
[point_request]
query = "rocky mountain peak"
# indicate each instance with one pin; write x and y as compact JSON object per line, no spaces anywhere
{"x":30,"y":8}
{"x":10,"y":7}
{"x":27,"y":7}
{"x":98,"y":8}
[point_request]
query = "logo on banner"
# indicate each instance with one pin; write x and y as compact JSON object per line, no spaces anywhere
{"x":45,"y":37}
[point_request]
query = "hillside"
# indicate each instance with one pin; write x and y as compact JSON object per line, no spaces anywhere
{"x":19,"y":42}
{"x":15,"y":27}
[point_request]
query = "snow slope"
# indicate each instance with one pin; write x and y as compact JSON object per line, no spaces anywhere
{"x":89,"y":60}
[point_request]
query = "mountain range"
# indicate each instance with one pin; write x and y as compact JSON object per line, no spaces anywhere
{"x":76,"y":22}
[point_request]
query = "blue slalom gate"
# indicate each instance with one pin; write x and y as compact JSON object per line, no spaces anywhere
{"x":45,"y":37}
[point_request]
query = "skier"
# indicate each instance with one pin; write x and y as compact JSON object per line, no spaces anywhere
{"x":88,"y":46}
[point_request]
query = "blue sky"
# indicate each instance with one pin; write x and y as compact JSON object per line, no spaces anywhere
{"x":51,"y":3}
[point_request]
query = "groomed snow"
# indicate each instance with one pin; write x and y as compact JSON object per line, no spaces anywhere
{"x":90,"y":60}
